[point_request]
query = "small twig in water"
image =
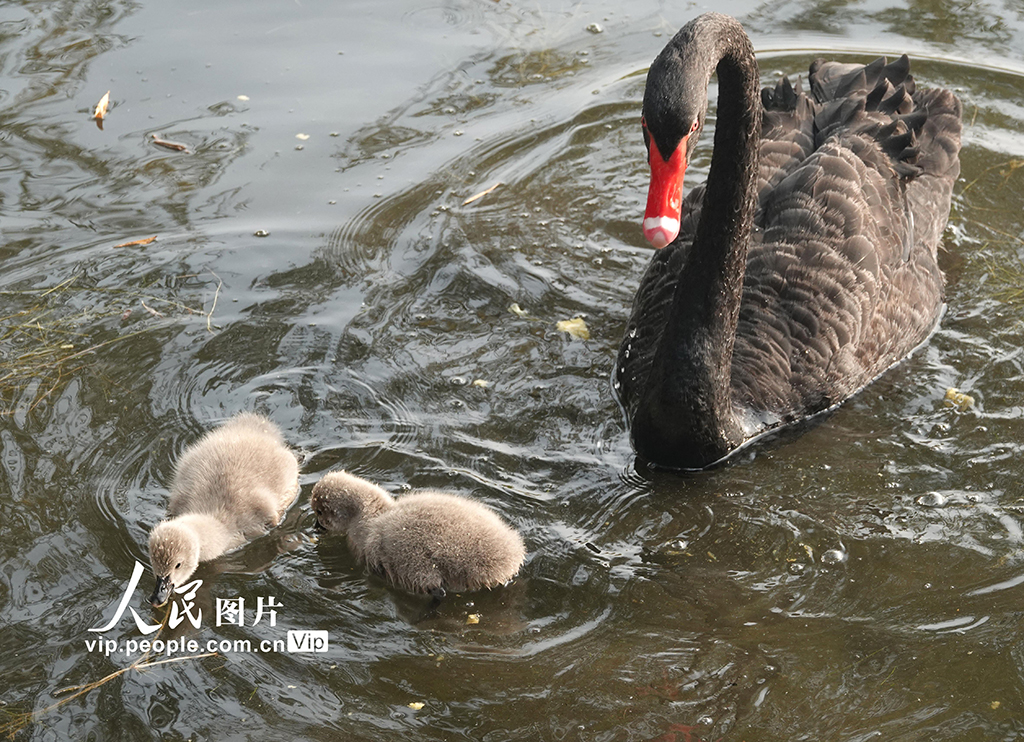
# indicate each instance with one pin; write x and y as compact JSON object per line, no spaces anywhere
{"x":176,"y":146}
{"x":1011,"y":166}
{"x":150,"y":309}
{"x":142,"y":663}
{"x":480,"y":195}
{"x":209,"y":317}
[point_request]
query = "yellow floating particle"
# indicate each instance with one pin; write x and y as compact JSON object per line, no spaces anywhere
{"x":994,"y":705}
{"x":482,"y":383}
{"x":575,"y":327}
{"x":517,"y":310}
{"x":472,"y":618}
{"x":955,"y":398}
{"x":416,"y":705}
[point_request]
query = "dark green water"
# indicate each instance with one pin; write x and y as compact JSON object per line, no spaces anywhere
{"x":861,"y":580}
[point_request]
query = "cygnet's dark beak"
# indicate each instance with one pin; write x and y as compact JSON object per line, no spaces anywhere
{"x":161,"y":591}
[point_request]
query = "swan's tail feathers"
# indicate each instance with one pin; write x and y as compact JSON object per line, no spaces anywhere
{"x":837,"y":115}
{"x":787,"y":133}
{"x":899,"y":140}
{"x":917,"y":130}
{"x":786,"y":108}
{"x":938,"y":142}
{"x":833,"y":80}
{"x":785,"y":96}
{"x":940,"y":132}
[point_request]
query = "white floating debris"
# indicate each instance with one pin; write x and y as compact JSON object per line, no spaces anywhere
{"x":833,"y":556}
{"x":932,"y":500}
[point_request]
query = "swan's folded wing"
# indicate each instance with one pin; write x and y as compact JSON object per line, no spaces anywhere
{"x":939,"y":161}
{"x":787,"y":135}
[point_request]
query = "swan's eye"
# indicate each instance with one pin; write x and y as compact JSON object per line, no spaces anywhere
{"x":694,"y":125}
{"x":178,"y":565}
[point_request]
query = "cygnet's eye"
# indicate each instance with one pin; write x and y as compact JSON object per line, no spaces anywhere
{"x":178,"y":565}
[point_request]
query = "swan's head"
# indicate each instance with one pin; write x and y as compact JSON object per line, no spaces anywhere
{"x":340,"y":498}
{"x":675,"y":105}
{"x":174,"y":554}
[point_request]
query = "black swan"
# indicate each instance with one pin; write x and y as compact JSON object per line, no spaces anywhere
{"x":804,"y":267}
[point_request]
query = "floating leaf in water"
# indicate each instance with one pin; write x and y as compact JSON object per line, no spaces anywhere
{"x":575,"y":327}
{"x":955,"y":398}
{"x":100,"y":112}
{"x":137,"y":243}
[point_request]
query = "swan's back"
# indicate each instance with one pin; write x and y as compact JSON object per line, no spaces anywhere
{"x":842,"y":279}
{"x":853,"y":192}
{"x":434,"y":540}
{"x":241,"y":472}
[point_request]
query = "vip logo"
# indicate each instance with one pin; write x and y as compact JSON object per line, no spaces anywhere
{"x":307,"y":641}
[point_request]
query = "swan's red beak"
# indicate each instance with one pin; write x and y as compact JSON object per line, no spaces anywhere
{"x":665,"y":196}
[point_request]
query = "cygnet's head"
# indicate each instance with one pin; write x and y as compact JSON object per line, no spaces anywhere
{"x":339,"y":498}
{"x":174,"y":554}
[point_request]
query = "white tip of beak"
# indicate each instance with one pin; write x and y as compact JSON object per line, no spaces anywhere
{"x":661,"y":230}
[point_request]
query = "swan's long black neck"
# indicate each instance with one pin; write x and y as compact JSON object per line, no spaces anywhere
{"x":689,"y":390}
